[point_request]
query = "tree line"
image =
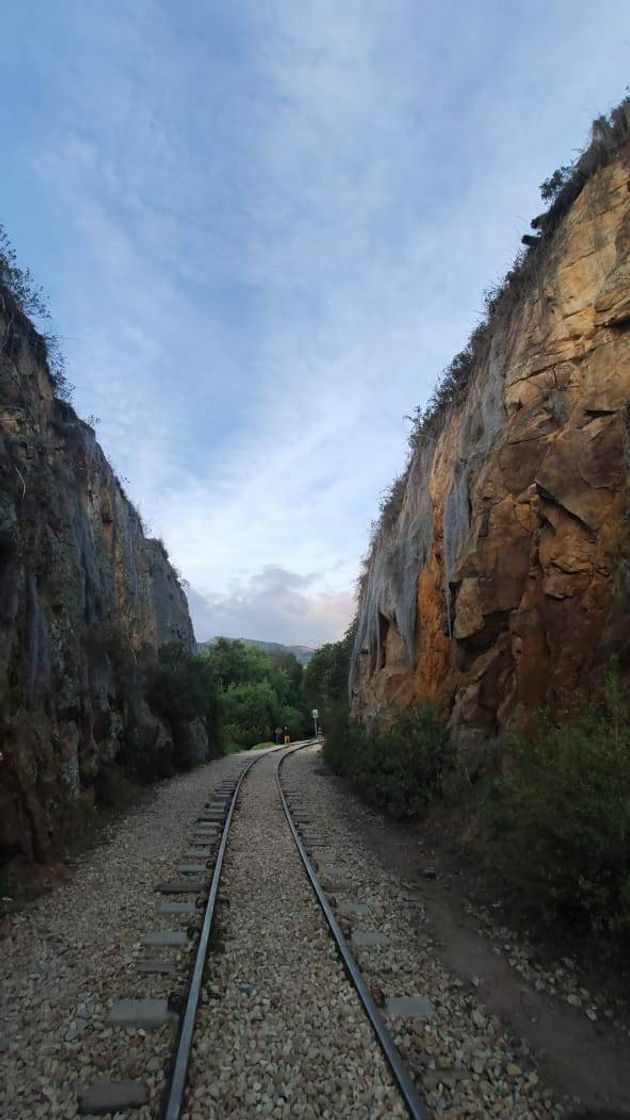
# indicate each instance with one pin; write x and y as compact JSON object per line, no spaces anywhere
{"x":244,"y":693}
{"x":241,"y":693}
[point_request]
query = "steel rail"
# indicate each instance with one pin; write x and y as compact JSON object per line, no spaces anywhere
{"x":415,"y":1105}
{"x":174,"y":1100}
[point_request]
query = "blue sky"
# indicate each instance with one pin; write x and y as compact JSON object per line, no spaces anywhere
{"x":264,"y":228}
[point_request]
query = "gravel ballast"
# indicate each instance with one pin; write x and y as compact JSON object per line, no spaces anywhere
{"x":280,"y":1032}
{"x":68,"y":957}
{"x":465,"y":1062}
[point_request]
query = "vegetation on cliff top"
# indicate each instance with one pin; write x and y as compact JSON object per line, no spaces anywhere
{"x":609,"y":135}
{"x":22,"y":299}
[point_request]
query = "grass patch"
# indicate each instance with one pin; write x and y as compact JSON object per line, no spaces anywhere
{"x":262,"y":746}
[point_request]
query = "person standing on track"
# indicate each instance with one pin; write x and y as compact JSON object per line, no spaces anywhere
{"x":287,"y":737}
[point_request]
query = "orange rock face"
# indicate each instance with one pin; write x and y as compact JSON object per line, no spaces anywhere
{"x":516,"y":591}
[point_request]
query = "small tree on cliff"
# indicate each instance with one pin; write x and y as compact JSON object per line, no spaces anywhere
{"x":18,"y":290}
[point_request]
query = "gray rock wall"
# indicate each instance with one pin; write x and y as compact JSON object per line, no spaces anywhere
{"x":85,"y":600}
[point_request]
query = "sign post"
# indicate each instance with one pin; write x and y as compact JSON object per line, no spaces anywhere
{"x":315,"y":718}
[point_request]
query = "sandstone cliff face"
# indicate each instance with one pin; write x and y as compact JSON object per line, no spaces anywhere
{"x":84,"y":596}
{"x":504,"y":584}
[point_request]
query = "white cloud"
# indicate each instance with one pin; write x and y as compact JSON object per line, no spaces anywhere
{"x":273,"y":601}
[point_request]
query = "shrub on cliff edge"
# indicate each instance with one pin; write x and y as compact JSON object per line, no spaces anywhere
{"x":21,"y":297}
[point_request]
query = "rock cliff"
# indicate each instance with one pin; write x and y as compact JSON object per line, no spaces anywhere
{"x":499,"y":578}
{"x":85,"y":598}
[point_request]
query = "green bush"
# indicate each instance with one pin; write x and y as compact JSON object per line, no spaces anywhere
{"x":397,"y":764}
{"x":113,"y":788}
{"x":337,"y":747}
{"x":560,"y":812}
{"x":250,"y":712}
{"x":296,"y":721}
{"x":181,"y":687}
{"x":259,"y":691}
{"x":142,"y":762}
{"x":326,"y":678}
{"x":184,"y":755}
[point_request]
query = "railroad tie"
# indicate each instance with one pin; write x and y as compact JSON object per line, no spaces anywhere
{"x":368,"y":939}
{"x":112,"y":1096}
{"x":161,"y":968}
{"x":150,"y":1014}
{"x":183,"y":886}
{"x":352,"y":909}
{"x":168,"y":937}
{"x":409,"y":1007}
{"x":183,"y":908}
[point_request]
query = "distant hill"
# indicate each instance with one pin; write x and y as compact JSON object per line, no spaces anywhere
{"x":302,"y":653}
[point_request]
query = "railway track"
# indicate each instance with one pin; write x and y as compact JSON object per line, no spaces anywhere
{"x":198,"y":1087}
{"x":175,"y":1098}
{"x":408,"y":1091}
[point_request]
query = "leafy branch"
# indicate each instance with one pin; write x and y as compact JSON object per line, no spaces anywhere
{"x":29,"y":299}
